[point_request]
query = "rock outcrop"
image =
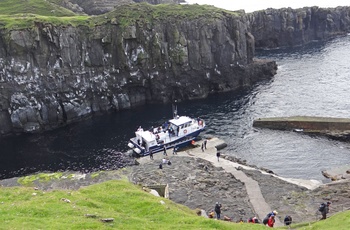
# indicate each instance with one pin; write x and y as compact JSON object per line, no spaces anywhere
{"x":290,"y":27}
{"x":53,"y":75}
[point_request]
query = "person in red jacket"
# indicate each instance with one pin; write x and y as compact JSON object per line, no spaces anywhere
{"x":271,"y":221}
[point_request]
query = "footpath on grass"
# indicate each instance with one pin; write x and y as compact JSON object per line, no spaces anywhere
{"x":261,"y":207}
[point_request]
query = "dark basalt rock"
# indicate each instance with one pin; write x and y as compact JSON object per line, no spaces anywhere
{"x":274,"y":28}
{"x":55,"y":75}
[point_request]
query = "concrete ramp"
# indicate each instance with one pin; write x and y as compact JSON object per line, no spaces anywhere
{"x":256,"y":198}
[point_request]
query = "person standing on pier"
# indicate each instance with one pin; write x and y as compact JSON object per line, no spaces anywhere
{"x":218,"y":155}
{"x":151,"y":154}
{"x":174,"y":150}
{"x":164,"y":153}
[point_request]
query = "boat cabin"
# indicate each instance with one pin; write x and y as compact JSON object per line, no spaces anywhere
{"x":174,"y":131}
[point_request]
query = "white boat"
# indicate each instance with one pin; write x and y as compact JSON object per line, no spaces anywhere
{"x":177,"y":132}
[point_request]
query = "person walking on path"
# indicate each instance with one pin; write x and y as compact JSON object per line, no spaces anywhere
{"x":271,"y":221}
{"x":205,"y":144}
{"x":217,"y":210}
{"x":174,"y":150}
{"x":324,"y":209}
{"x":151,"y":154}
{"x":218,"y":155}
{"x":202,"y":147}
{"x":288,"y":220}
{"x":164,"y":153}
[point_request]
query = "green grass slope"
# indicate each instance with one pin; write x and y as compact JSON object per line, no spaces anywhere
{"x":39,"y":7}
{"x":20,"y":14}
{"x":128,"y":204}
{"x":338,"y":221}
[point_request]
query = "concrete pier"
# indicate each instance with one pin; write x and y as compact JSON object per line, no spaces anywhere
{"x":305,"y":123}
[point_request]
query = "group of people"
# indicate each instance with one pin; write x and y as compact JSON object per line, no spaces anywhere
{"x":269,"y":220}
{"x":217,"y":212}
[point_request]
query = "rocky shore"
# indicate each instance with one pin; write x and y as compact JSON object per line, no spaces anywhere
{"x":196,"y":183}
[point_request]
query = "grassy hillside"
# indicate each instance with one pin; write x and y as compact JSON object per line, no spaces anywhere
{"x":128,"y":204}
{"x":128,"y":14}
{"x":39,"y":7}
{"x":19,"y":14}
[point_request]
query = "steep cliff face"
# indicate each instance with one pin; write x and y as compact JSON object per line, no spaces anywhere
{"x":53,"y":75}
{"x":289,"y":27}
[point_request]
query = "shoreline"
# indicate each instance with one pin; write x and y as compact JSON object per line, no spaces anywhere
{"x":198,"y":183}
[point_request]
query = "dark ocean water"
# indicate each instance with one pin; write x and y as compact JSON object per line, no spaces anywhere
{"x":312,"y":80}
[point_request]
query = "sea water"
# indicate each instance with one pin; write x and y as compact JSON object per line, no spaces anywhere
{"x":311,"y":80}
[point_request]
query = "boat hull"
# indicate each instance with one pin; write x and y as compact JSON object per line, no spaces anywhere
{"x":180,"y":142}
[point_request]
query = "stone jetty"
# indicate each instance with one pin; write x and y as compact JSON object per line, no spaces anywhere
{"x":338,"y":128}
{"x":305,"y":123}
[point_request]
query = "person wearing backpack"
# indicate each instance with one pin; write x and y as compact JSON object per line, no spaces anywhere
{"x":287,"y":220}
{"x":271,"y":221}
{"x":266,"y":219}
{"x":217,"y":210}
{"x":324,"y":209}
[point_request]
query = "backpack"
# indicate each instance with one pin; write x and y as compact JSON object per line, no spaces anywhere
{"x":322,"y":207}
{"x":265,"y":220}
{"x":287,"y":220}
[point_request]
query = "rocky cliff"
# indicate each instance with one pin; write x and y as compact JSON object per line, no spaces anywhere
{"x":53,"y":75}
{"x":290,"y":27}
